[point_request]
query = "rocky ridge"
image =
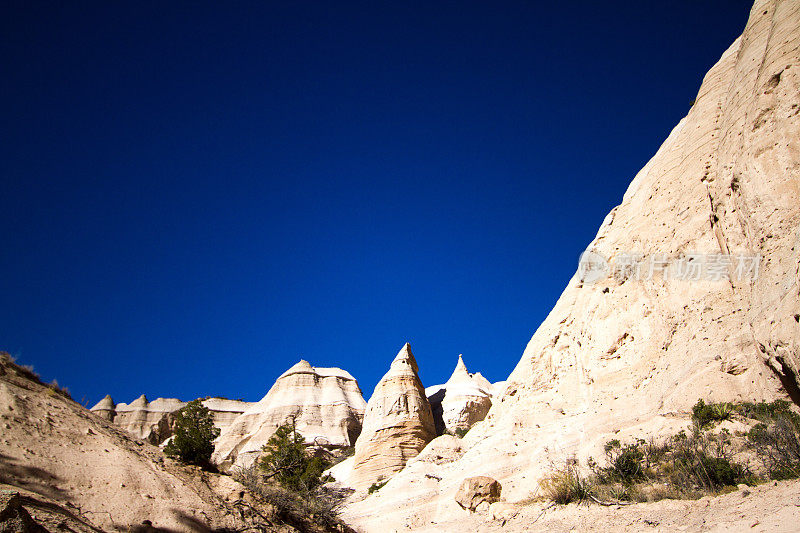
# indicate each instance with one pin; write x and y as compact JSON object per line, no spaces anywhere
{"x":153,"y":421}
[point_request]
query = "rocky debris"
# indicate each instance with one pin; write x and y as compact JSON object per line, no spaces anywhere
{"x":325,"y":404}
{"x":477,"y":490}
{"x":14,"y":518}
{"x":632,"y":349}
{"x":154,"y":421}
{"x":461,"y":402}
{"x":398,"y":423}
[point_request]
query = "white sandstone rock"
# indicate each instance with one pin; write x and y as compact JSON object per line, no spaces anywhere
{"x":325,"y":403}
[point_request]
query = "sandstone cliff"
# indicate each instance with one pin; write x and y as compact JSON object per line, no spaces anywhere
{"x":631,"y":351}
{"x":153,"y":421}
{"x":398,"y":423}
{"x":325,"y":403}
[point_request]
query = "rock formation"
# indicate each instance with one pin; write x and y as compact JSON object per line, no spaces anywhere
{"x":153,"y":421}
{"x":325,"y":403}
{"x":461,"y":402}
{"x":631,"y":350}
{"x":398,"y":423}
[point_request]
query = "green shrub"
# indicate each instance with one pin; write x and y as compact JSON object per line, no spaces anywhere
{"x":321,"y":507}
{"x":193,"y":439}
{"x":777,"y":442}
{"x":704,"y":415}
{"x":565,"y":485}
{"x":285,"y":459}
{"x":460,"y":432}
{"x":625,"y":463}
{"x":378,"y":485}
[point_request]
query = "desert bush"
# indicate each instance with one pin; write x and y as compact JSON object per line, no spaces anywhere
{"x":704,"y":415}
{"x":284,"y":458}
{"x":378,"y":485}
{"x":292,"y":506}
{"x":192,"y":442}
{"x":701,"y":461}
{"x":566,"y":485}
{"x":625,"y":463}
{"x":777,"y":441}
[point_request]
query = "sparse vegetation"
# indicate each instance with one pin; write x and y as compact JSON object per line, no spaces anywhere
{"x":192,"y":442}
{"x":290,"y":506}
{"x":689,"y":465}
{"x":566,"y":485}
{"x":285,"y":459}
{"x":290,"y":480}
{"x":705,"y":415}
{"x":378,"y":485}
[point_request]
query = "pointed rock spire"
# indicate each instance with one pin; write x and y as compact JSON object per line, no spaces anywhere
{"x":106,"y":404}
{"x":460,"y":373}
{"x":398,"y":423}
{"x":141,"y":401}
{"x":405,"y":357}
{"x":466,"y":399}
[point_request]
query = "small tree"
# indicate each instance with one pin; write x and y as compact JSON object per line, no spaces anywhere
{"x":194,"y":434}
{"x":286,"y":460}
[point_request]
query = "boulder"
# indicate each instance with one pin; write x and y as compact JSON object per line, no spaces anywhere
{"x":477,"y":490}
{"x":398,"y":423}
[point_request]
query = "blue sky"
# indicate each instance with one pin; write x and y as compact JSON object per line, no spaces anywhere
{"x":196,"y":195}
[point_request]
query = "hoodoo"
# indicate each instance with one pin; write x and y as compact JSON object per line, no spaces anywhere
{"x":398,"y":423}
{"x":325,"y":403}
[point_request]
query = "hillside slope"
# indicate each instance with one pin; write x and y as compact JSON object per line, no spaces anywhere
{"x":630,"y":352}
{"x":67,"y":462}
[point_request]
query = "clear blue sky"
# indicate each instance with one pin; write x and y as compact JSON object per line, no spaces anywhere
{"x":196,"y":195}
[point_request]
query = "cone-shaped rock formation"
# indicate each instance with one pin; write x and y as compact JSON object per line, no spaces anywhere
{"x":398,"y":423}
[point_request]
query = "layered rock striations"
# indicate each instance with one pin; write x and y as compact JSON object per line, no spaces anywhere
{"x":153,"y":421}
{"x":461,"y":402}
{"x":628,"y":349}
{"x":325,"y":404}
{"x":398,"y":423}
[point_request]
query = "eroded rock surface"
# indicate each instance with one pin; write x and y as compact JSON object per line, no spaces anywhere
{"x":153,"y":421}
{"x":325,"y":403}
{"x":398,"y":423}
{"x":631,"y":352}
{"x":461,"y":402}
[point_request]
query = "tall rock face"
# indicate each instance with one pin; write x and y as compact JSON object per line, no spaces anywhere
{"x":153,"y":421}
{"x":325,"y":403}
{"x":398,"y":423}
{"x":461,"y":402}
{"x":629,"y":351}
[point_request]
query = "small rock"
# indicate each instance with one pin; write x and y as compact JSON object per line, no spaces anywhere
{"x":744,"y":489}
{"x":476,"y":490}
